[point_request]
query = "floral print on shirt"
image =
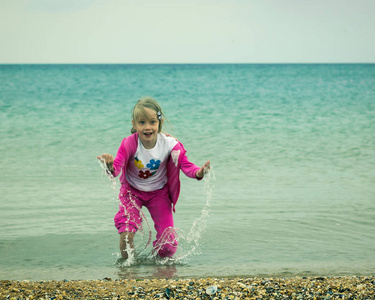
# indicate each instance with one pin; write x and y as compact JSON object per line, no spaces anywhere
{"x":153,"y":165}
{"x":138,"y":163}
{"x":145,"y":175}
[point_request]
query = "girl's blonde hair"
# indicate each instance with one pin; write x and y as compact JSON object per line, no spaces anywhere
{"x":139,"y":111}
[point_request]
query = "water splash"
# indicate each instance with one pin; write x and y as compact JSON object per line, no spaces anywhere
{"x":199,"y":225}
{"x":131,"y":260}
{"x":188,"y":242}
{"x":141,"y":244}
{"x":108,"y":174}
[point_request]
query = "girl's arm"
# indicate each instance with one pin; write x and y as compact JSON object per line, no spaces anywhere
{"x":193,"y":171}
{"x":115,"y":165}
{"x":127,"y":148}
{"x":120,"y":159}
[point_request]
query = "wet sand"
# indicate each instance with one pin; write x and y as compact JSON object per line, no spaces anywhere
{"x":348,"y":287}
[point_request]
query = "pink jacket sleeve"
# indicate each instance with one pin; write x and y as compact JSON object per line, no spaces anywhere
{"x":127,"y":148}
{"x":189,"y":168}
{"x":120,"y":159}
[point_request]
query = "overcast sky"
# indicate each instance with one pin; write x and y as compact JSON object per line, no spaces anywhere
{"x":187,"y":31}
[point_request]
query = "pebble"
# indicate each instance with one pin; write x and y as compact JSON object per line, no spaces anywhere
{"x":348,"y":287}
{"x":211,"y":290}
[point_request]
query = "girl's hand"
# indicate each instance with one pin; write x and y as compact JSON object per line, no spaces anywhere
{"x":204,"y":170}
{"x":108,"y":160}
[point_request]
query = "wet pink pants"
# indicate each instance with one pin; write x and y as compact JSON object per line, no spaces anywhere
{"x":128,"y":218}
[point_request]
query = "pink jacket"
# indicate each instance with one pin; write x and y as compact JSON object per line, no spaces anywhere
{"x":177,"y":160}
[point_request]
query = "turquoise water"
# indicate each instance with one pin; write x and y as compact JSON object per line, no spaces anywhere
{"x":292,"y":149}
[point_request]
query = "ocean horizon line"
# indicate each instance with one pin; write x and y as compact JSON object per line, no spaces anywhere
{"x":219,"y":63}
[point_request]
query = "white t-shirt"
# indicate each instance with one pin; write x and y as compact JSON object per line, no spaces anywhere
{"x":147,"y":169}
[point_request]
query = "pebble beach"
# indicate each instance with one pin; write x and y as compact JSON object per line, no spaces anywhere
{"x":348,"y":287}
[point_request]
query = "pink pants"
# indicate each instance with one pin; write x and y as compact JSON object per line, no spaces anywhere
{"x":128,"y":218}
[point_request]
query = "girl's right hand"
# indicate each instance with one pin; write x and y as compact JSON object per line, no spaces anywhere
{"x":108,"y":160}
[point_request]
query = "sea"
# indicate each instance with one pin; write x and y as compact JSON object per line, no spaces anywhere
{"x":291,"y":190}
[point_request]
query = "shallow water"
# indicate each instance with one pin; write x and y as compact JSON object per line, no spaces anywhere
{"x":292,"y":147}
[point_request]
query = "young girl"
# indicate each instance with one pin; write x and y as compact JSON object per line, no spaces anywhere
{"x":149,"y":163}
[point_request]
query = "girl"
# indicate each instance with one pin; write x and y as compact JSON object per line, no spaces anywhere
{"x":149,"y":163}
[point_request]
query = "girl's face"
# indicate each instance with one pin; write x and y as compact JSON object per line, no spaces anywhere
{"x":147,"y":128}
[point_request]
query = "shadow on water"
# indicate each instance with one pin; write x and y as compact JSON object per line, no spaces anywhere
{"x":153,"y":272}
{"x":149,"y":267}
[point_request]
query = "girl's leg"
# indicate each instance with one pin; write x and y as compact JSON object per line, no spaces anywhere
{"x":127,"y":221}
{"x":160,"y":208}
{"x":126,"y":243}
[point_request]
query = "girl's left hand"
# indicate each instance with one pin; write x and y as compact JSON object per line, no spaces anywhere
{"x":204,"y":170}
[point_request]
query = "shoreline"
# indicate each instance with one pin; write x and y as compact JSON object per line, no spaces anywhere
{"x":343,"y":287}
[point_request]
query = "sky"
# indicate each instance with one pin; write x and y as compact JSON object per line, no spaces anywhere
{"x":187,"y":31}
